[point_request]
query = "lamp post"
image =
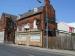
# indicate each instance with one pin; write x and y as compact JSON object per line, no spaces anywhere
{"x":46,"y":18}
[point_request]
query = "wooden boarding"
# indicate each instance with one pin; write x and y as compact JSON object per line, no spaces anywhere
{"x":24,"y":38}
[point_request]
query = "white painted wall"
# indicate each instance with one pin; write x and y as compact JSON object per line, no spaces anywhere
{"x":27,"y":25}
{"x":65,"y":27}
{"x":62,"y":26}
{"x":23,"y":27}
{"x":74,"y":30}
{"x":34,"y":25}
{"x":1,"y":37}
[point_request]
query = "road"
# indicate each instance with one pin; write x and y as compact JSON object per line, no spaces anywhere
{"x":7,"y":50}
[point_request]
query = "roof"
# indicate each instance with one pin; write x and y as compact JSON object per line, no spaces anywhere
{"x":6,"y":14}
{"x":31,"y":12}
{"x":9,"y":15}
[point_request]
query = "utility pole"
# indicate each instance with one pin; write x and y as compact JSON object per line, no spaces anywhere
{"x":47,"y":3}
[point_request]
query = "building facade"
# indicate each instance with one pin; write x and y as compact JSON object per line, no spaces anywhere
{"x":8,"y":27}
{"x":65,"y":27}
{"x":35,"y":20}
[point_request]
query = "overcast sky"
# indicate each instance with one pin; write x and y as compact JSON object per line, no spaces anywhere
{"x":65,"y":9}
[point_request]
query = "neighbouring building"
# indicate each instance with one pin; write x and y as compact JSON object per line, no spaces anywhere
{"x":7,"y":28}
{"x":65,"y":27}
{"x":65,"y":36}
{"x":72,"y":25}
{"x":34,"y":23}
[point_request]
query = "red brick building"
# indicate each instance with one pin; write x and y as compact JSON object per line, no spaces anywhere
{"x":32,"y":20}
{"x":39,"y":16}
{"x":7,"y":25}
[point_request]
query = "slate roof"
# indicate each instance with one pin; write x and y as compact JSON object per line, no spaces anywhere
{"x":31,"y":12}
{"x":9,"y":15}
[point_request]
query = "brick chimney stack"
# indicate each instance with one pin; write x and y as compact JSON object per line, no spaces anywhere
{"x":47,"y":2}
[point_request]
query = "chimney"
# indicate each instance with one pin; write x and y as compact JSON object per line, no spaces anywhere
{"x":47,"y":2}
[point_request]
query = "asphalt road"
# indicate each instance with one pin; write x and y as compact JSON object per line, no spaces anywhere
{"x":7,"y":50}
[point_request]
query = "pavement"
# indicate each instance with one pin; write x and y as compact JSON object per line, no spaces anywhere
{"x":36,"y":51}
